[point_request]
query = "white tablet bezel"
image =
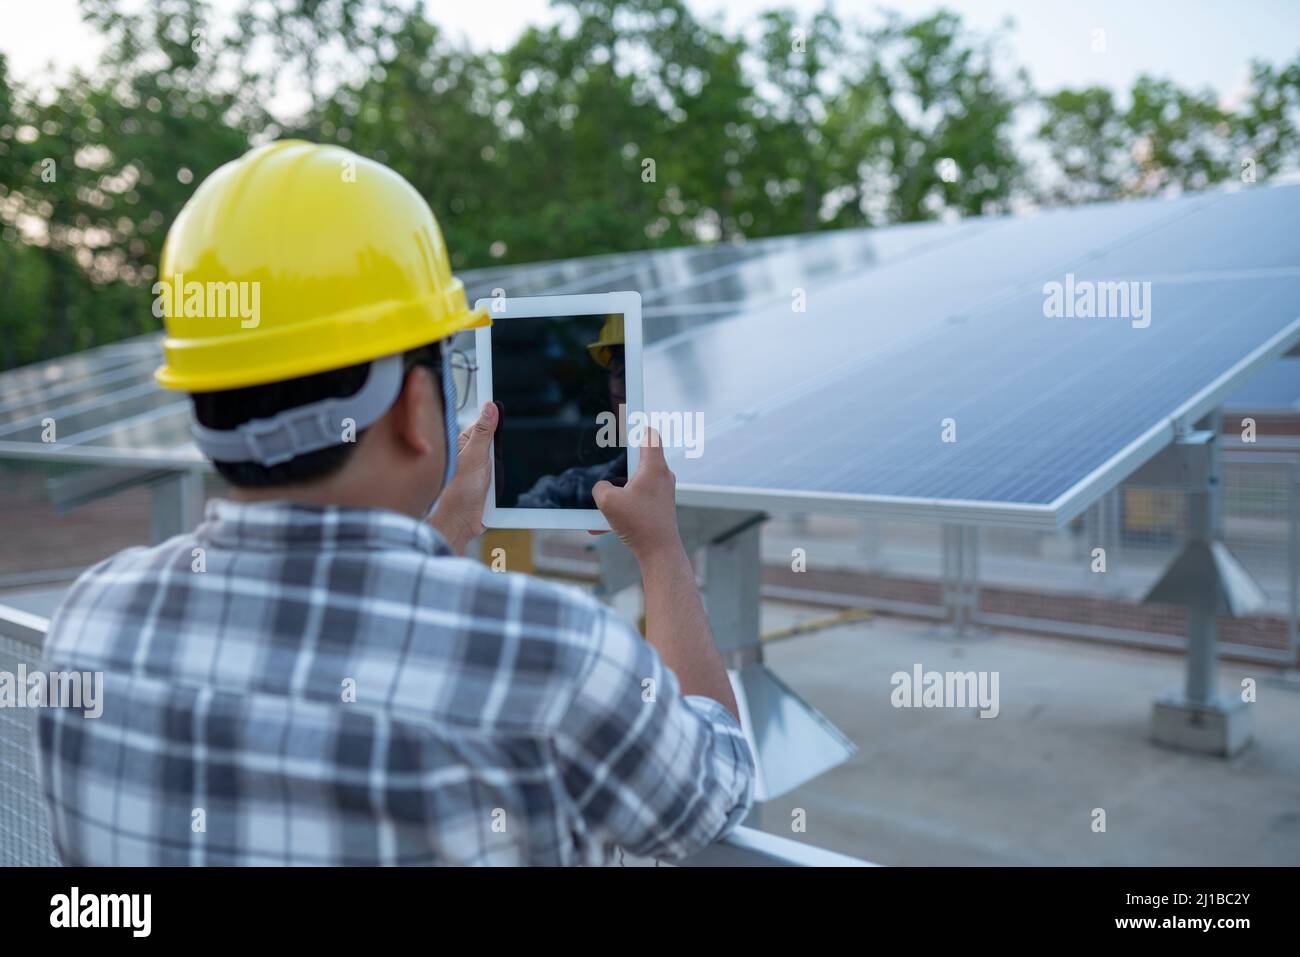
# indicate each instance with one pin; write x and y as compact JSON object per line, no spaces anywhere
{"x":627,"y":303}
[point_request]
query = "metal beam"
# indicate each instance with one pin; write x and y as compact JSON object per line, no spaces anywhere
{"x":183,"y":459}
{"x":1207,"y":582}
{"x":1182,"y":465}
{"x":67,"y":492}
{"x":23,"y":626}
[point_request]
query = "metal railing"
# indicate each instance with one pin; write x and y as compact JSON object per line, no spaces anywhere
{"x":747,"y":847}
{"x":24,"y":834}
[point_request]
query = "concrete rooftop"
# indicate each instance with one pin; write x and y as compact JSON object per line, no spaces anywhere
{"x":939,"y":786}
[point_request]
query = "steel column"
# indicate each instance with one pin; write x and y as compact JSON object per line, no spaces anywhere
{"x":1206,"y":581}
{"x":176,"y":504}
{"x":960,"y":544}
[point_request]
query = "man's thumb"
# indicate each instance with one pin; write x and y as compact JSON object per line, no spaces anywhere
{"x":481,"y":431}
{"x":600,"y":492}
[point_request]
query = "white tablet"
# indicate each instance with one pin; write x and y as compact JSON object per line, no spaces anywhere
{"x":565,"y":372}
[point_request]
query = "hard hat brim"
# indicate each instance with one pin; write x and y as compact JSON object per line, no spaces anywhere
{"x":238,"y":360}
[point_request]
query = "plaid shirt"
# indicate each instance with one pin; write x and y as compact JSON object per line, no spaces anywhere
{"x":296,"y":685}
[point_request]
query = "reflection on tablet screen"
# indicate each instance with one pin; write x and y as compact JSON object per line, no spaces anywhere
{"x":558,"y":380}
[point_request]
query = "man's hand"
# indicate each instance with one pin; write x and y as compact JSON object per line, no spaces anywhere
{"x":458,"y":516}
{"x":643,"y":513}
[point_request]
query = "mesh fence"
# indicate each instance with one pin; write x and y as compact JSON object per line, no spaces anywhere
{"x":890,"y":564}
{"x":24,"y":831}
{"x":59,"y":518}
{"x":1259,"y":507}
{"x":1086,"y":579}
{"x":47,"y":533}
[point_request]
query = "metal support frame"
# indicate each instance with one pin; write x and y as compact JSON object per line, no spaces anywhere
{"x":960,"y":576}
{"x":1206,"y":581}
{"x":733,"y":572}
{"x":792,"y":742}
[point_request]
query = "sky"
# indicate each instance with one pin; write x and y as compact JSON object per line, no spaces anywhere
{"x":1198,"y":43}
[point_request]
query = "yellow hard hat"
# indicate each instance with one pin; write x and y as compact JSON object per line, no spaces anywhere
{"x":611,"y":334}
{"x":296,"y":259}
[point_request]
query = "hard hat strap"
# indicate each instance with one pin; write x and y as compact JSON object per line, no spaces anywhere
{"x":449,"y":411}
{"x":311,"y":427}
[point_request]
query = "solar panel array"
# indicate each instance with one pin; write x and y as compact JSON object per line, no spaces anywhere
{"x":909,"y":335}
{"x":944,"y":337}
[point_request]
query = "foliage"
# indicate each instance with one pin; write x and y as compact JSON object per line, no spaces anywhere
{"x":628,"y":124}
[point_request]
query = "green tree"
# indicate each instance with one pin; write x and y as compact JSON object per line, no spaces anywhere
{"x":1086,"y":138}
{"x":629,"y":124}
{"x":793,"y":156}
{"x":1180,"y":138}
{"x":1266,"y":126}
{"x":943,"y":119}
{"x":1168,"y":138}
{"x":426,"y":109}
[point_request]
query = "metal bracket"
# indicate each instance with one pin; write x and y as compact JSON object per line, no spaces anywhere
{"x":701,"y":527}
{"x":1185,"y":464}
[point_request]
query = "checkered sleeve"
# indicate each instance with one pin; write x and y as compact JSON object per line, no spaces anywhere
{"x":654,"y":771}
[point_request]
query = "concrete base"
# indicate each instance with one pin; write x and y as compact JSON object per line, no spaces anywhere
{"x":1223,"y":728}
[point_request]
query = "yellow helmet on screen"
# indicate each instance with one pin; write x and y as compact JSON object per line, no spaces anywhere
{"x":611,"y":334}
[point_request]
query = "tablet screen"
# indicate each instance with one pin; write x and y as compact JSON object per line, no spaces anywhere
{"x":559,"y":381}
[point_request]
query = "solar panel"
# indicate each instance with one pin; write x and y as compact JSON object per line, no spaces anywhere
{"x":1031,"y":419}
{"x":843,"y":405}
{"x":700,"y":284}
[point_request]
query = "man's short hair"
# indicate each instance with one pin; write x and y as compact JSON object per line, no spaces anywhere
{"x":229,"y":408}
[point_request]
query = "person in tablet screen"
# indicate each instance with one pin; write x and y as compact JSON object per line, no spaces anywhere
{"x":313,"y":672}
{"x":573,"y":487}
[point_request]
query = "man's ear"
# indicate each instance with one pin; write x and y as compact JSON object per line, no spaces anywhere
{"x":417,"y":412}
